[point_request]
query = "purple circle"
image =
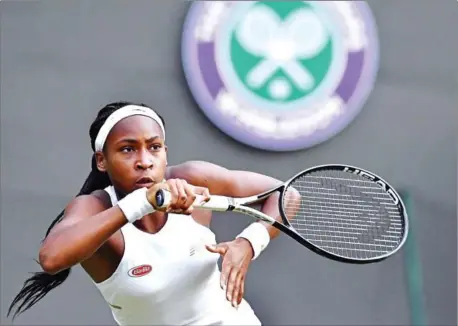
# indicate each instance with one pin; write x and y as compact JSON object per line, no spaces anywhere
{"x":204,"y":81}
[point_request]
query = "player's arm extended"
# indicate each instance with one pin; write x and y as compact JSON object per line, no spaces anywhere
{"x":233,"y":183}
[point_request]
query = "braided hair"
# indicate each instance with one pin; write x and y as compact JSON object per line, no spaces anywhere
{"x":38,"y":285}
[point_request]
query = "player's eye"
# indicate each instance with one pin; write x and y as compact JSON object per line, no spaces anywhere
{"x":156,"y":147}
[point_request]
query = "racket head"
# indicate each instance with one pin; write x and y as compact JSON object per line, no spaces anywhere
{"x":344,"y":213}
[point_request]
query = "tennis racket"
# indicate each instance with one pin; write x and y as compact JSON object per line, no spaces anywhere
{"x":341,"y":212}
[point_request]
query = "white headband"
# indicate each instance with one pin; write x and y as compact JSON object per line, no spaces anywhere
{"x":120,"y":114}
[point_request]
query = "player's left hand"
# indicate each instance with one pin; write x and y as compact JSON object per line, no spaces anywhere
{"x":237,"y":255}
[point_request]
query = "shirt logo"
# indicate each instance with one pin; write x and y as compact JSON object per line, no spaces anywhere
{"x":140,"y":271}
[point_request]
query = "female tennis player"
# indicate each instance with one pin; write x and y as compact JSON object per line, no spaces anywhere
{"x":152,"y":267}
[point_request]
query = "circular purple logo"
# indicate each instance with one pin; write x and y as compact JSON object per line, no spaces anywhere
{"x":280,"y":76}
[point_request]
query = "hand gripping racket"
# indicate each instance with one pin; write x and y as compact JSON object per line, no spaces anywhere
{"x":338,"y":211}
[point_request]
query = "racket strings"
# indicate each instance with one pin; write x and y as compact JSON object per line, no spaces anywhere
{"x":344,"y":214}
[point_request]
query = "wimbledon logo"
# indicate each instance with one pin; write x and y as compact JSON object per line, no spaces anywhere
{"x":280,"y":75}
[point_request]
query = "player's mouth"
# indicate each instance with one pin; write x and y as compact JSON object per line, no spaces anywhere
{"x":145,"y":182}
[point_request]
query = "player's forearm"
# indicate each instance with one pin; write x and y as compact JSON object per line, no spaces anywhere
{"x":291,"y":205}
{"x":270,"y":207}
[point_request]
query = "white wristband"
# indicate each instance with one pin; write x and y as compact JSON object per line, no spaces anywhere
{"x":135,"y":205}
{"x":258,"y":236}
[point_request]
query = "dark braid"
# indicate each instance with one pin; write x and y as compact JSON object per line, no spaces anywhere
{"x":37,"y":286}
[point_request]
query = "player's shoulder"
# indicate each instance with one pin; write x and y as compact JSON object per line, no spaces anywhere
{"x":102,"y":196}
{"x":98,"y":198}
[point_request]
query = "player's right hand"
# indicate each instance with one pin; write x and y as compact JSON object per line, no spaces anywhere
{"x":182,"y":194}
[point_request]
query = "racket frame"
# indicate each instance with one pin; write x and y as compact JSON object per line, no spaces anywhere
{"x":288,"y":229}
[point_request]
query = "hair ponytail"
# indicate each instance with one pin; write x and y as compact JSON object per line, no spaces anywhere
{"x":37,"y":286}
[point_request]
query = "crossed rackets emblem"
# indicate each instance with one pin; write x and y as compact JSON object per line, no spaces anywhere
{"x":281,"y":43}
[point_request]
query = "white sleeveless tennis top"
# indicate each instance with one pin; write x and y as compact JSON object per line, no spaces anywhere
{"x":170,"y":278}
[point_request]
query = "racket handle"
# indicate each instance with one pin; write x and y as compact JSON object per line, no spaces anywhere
{"x":216,"y":203}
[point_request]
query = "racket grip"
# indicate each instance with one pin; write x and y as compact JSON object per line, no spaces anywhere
{"x":163,"y":198}
{"x":217,"y":203}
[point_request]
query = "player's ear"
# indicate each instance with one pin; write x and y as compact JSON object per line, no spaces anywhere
{"x":100,"y":162}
